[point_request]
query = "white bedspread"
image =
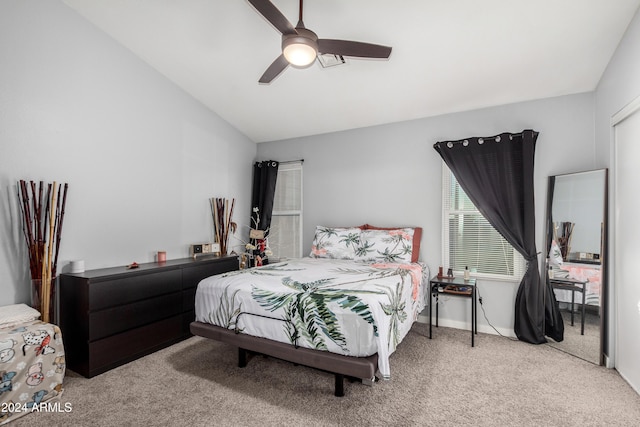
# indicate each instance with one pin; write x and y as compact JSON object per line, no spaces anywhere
{"x":341,"y":306}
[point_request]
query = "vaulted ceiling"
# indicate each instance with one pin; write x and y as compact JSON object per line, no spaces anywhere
{"x":448,"y":56}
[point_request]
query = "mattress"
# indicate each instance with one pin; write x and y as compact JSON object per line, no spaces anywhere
{"x":342,"y":306}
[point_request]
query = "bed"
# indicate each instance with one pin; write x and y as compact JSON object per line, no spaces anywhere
{"x":32,"y":364}
{"x":591,"y":274}
{"x":344,"y":309}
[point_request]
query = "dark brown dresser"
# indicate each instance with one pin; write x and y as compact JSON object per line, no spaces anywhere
{"x":111,"y":316}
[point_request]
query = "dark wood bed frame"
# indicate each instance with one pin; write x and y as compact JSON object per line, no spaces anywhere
{"x":363,"y":368}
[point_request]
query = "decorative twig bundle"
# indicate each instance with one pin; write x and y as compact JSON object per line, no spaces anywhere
{"x":42,"y":227}
{"x":564,"y":239}
{"x":222,"y":215}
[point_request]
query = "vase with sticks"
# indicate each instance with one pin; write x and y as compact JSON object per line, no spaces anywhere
{"x":42,"y":207}
{"x":562,"y":234}
{"x":223,"y":225}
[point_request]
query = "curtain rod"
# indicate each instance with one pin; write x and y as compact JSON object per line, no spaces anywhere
{"x":281,"y":163}
{"x":497,"y":138}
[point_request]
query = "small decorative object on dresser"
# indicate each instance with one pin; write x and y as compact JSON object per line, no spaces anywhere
{"x":257,"y":251}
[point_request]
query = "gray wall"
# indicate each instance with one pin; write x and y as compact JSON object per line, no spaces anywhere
{"x":141,"y":156}
{"x":390,"y":175}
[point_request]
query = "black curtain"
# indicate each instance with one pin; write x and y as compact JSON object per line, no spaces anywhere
{"x":497,"y":174}
{"x":553,"y":324}
{"x":264,"y":188}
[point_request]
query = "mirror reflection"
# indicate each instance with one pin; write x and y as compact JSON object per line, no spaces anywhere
{"x":576,"y":221}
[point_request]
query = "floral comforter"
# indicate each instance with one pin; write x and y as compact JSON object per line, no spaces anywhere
{"x":342,"y":306}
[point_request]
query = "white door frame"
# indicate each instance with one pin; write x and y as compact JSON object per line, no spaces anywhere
{"x":630,"y":109}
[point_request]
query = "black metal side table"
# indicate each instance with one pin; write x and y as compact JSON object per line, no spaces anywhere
{"x":456,"y":286}
{"x":574,"y":286}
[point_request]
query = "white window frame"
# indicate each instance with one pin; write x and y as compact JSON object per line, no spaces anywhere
{"x":519,"y":264}
{"x":285,"y":167}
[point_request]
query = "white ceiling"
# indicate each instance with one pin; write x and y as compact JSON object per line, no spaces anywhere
{"x":448,"y":56}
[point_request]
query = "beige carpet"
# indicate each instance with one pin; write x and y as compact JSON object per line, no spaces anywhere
{"x":585,"y":346}
{"x":439,"y":382}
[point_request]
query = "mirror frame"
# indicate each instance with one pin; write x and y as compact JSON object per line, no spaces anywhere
{"x":604,"y":258}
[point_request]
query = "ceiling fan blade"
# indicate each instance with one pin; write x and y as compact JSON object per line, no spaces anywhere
{"x":274,"y":70}
{"x":273,"y":15}
{"x":350,"y":48}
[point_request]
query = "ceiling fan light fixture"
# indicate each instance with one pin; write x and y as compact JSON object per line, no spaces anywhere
{"x":301,"y":49}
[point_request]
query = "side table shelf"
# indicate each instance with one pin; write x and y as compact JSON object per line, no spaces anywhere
{"x":457,"y":287}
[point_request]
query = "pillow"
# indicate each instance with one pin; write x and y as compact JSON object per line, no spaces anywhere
{"x":394,"y":245}
{"x":16,"y":314}
{"x":336,"y":243}
{"x":417,"y":237}
{"x":555,"y":255}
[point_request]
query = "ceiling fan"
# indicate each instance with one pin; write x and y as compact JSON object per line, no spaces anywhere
{"x":301,"y":46}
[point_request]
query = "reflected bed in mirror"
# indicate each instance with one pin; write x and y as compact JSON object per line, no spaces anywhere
{"x":576,"y":238}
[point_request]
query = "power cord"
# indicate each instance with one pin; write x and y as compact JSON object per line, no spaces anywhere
{"x":484,"y":313}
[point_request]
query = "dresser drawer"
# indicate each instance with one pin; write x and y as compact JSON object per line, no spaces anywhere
{"x":122,"y":348}
{"x":187,"y":318}
{"x":189,"y":299}
{"x":193,"y":275}
{"x":129,"y":289}
{"x":113,"y":320}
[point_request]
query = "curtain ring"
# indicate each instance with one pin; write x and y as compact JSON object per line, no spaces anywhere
{"x":498,"y":138}
{"x":480,"y":141}
{"x":465,"y":142}
{"x":450,"y":144}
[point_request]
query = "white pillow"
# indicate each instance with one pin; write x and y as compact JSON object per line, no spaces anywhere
{"x":16,"y":314}
{"x":555,"y":255}
{"x":336,"y":243}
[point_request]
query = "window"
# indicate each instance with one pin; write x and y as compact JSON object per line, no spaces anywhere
{"x":285,"y":234}
{"x":469,"y":240}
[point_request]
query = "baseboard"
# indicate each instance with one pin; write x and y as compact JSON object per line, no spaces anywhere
{"x":456,"y":324}
{"x":608,"y":363}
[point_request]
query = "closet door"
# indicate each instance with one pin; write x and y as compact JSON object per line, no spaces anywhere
{"x":627,"y":243}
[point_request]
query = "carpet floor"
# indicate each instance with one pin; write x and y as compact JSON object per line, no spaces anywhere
{"x":438,"y":382}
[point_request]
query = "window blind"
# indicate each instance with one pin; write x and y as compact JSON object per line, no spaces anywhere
{"x":470,"y":241}
{"x":285,"y":236}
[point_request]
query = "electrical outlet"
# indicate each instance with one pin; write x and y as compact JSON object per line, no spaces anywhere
{"x":196,"y":249}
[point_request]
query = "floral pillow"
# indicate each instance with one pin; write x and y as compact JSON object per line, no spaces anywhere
{"x":336,"y":243}
{"x":555,"y":255}
{"x":394,"y":245}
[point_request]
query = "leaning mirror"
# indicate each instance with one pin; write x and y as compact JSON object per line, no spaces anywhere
{"x":576,"y":261}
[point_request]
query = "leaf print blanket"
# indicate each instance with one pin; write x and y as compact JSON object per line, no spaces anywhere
{"x":341,"y":306}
